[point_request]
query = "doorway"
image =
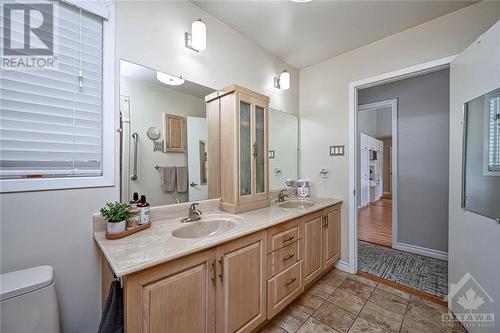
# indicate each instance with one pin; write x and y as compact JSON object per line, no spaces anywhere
{"x":377,"y":206}
{"x":390,"y":114}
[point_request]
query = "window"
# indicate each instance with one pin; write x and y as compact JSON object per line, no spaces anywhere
{"x":56,"y":125}
{"x":494,"y":134}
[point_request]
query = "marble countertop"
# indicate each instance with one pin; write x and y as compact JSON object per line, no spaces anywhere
{"x":156,"y":244}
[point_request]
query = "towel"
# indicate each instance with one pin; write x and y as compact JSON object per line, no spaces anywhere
{"x":167,"y":178}
{"x":182,"y":179}
{"x":112,"y":316}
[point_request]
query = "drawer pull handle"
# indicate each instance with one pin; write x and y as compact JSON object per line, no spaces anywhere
{"x":288,"y":239}
{"x":221,"y":274}
{"x":288,"y":257}
{"x":291,"y":281}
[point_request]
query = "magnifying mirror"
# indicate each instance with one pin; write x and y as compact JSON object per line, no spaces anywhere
{"x":153,"y":133}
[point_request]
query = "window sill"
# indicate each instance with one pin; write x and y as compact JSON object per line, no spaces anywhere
{"x":48,"y":184}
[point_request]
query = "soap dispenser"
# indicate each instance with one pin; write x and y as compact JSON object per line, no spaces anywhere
{"x":144,"y":208}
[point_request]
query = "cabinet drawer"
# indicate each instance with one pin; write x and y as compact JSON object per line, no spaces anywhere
{"x":283,"y":258}
{"x":284,"y":288}
{"x":284,"y":238}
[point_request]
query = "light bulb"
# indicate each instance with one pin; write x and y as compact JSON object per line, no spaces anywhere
{"x":199,"y":35}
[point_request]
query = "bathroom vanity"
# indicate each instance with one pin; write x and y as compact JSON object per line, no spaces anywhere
{"x":234,"y":273}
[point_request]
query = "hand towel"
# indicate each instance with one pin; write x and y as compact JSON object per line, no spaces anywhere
{"x":182,"y":179}
{"x":167,"y":178}
{"x":112,"y":316}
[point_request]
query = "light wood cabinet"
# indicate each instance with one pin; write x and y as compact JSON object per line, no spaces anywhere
{"x":331,"y":236}
{"x":236,"y":286}
{"x":241,"y":290}
{"x":242,"y":133}
{"x":174,"y":133}
{"x":313,"y":247}
{"x":175,"y":297}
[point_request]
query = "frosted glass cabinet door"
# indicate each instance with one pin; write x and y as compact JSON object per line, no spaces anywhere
{"x":260,"y":162}
{"x":245,"y":149}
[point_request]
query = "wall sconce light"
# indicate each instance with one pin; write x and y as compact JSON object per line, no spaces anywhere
{"x":283,"y":81}
{"x":197,"y":39}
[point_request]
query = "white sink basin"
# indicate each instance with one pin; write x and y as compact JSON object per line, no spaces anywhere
{"x":208,"y":226}
{"x":297,"y":204}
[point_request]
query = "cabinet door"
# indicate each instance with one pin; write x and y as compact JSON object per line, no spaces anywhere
{"x":241,"y":291}
{"x":246,"y":167}
{"x":174,"y":297}
{"x":331,"y":236}
{"x":174,"y":133}
{"x":260,"y":150}
{"x":312,"y":248}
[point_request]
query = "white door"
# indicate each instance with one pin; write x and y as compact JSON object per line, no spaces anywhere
{"x":364,"y":170}
{"x":197,"y":158}
{"x":473,"y":239}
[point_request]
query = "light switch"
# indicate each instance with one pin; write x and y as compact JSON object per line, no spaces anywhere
{"x":337,"y":150}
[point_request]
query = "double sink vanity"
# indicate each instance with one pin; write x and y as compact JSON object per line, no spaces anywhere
{"x":224,"y":272}
{"x":231,"y":256}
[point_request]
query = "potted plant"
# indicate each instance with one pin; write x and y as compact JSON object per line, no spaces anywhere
{"x":116,"y":213}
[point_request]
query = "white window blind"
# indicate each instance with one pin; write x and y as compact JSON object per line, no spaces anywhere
{"x":51,"y":120}
{"x":494,"y":134}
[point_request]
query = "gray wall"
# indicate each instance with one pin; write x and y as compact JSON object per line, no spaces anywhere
{"x":423,"y":156}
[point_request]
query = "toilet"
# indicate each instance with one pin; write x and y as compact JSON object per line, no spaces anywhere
{"x":28,"y":301}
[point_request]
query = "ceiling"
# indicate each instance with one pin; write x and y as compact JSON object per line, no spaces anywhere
{"x":140,"y":72}
{"x":303,"y":34}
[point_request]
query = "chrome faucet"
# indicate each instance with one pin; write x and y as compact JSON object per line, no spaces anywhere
{"x":282,"y":196}
{"x":194,"y":214}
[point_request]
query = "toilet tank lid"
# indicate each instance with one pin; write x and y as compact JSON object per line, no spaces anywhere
{"x":24,"y":281}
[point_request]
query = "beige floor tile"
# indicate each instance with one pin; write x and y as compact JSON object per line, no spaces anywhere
{"x":309,"y":302}
{"x":291,"y":319}
{"x":357,"y":288}
{"x":324,"y":288}
{"x":364,"y":280}
{"x":394,"y":291}
{"x":425,"y":311}
{"x":376,"y":314}
{"x":347,"y":301}
{"x":313,"y":325}
{"x":413,"y":326}
{"x":389,"y":301}
{"x":272,"y":327}
{"x":335,"y":317}
{"x":363,"y":326}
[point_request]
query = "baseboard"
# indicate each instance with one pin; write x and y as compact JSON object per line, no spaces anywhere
{"x":343,"y":266}
{"x":422,"y":251}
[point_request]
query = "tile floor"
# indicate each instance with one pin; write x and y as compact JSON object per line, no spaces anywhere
{"x":341,"y":302}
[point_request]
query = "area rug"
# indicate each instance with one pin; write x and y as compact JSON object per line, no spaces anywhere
{"x":412,"y":270}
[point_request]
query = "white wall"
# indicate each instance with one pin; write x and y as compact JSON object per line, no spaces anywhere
{"x":474,"y":239}
{"x":148,"y":102}
{"x":55,"y":227}
{"x":324,"y":90}
{"x":151,"y":33}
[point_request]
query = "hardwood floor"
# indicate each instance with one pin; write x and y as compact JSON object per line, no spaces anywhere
{"x":375,"y":222}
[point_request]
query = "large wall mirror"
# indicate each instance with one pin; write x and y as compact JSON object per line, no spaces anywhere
{"x":283,"y":148}
{"x":481,"y":169}
{"x":163,"y":136}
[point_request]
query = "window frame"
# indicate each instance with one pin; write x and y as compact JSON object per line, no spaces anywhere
{"x":107,"y":179}
{"x":486,"y":132}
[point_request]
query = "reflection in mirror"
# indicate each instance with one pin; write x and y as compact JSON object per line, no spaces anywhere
{"x":481,"y":174}
{"x":171,"y":167}
{"x":283,"y":148}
